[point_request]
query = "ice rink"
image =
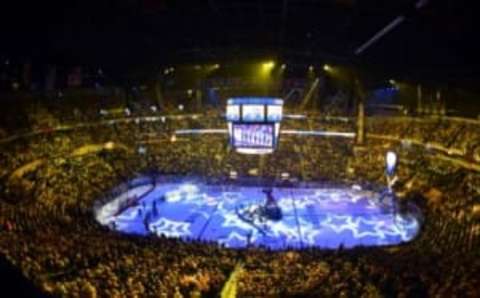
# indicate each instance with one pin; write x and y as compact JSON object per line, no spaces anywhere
{"x":311,"y":216}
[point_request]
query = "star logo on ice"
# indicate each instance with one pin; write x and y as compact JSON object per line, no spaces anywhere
{"x":186,"y":192}
{"x":281,"y":229}
{"x":234,"y":239}
{"x":231,"y":219}
{"x":170,"y":228}
{"x":309,"y":231}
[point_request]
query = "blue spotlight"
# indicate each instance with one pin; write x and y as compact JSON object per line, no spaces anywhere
{"x":391,"y":163}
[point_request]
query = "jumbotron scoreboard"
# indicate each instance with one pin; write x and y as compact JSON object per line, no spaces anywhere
{"x":254,"y":123}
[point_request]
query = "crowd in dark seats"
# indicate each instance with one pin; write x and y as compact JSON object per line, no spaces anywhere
{"x":456,"y":137}
{"x":49,"y":231}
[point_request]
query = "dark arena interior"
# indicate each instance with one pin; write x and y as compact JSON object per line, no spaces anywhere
{"x":245,"y":148}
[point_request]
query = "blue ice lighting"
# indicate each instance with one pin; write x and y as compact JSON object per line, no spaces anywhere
{"x":311,"y":216}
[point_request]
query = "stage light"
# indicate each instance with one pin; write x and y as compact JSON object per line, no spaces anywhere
{"x":268,"y":65}
{"x":189,"y":92}
{"x":391,"y":162}
{"x":265,"y":71}
{"x":109,"y":145}
{"x":166,"y":71}
{"x":180,"y":107}
{"x":153,"y":108}
{"x":284,"y":66}
{"x":127,"y":112}
{"x":163,"y":119}
{"x":173,"y":138}
{"x":311,"y":68}
{"x":172,"y":69}
{"x":142,"y":150}
{"x":327,"y":67}
{"x":392,"y":82}
{"x":216,"y":66}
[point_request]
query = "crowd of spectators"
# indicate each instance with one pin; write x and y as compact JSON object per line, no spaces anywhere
{"x":452,"y":135}
{"x":49,"y":231}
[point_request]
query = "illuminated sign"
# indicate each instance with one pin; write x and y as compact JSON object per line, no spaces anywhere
{"x":253,"y":135}
{"x":274,"y":113}
{"x":254,"y":123}
{"x":253,"y":113}
{"x":233,"y":113}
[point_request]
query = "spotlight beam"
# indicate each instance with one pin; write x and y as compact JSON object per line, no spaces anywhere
{"x":290,"y":93}
{"x":309,"y":94}
{"x":397,"y":21}
{"x":392,"y":25}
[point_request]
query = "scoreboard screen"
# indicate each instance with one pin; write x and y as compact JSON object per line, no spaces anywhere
{"x":253,"y":135}
{"x":253,"y":113}
{"x":254,"y":123}
{"x":233,"y":113}
{"x":274,"y":113}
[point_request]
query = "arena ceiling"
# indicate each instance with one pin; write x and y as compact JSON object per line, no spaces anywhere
{"x":438,"y":35}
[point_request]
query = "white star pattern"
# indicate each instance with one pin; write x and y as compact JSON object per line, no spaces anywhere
{"x":323,"y":217}
{"x":170,"y":228}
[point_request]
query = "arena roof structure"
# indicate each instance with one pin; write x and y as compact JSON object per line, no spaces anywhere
{"x":430,"y":34}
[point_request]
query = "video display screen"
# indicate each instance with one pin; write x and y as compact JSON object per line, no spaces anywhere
{"x":253,"y":113}
{"x":253,"y":135}
{"x":274,"y":113}
{"x":233,"y":112}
